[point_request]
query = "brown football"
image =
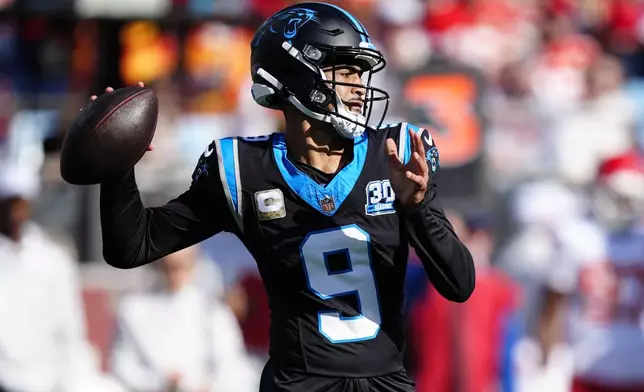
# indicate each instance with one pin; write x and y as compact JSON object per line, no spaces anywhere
{"x":109,"y":136}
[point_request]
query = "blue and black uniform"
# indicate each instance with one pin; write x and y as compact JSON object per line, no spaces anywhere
{"x":331,"y":249}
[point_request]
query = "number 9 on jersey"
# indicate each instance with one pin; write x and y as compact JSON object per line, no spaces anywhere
{"x":357,"y":279}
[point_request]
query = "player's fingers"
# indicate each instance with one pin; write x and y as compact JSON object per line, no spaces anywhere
{"x":412,"y":138}
{"x":109,"y":90}
{"x":420,"y":163}
{"x":93,"y":97}
{"x":392,"y":156}
{"x":420,"y":147}
{"x":390,"y":147}
{"x":140,"y":84}
{"x":417,"y":179}
{"x":150,"y":148}
{"x":394,"y":162}
{"x":412,"y":164}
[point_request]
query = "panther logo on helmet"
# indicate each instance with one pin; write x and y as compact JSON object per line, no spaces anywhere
{"x":292,"y":19}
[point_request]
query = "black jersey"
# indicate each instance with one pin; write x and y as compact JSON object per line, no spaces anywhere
{"x":332,"y":256}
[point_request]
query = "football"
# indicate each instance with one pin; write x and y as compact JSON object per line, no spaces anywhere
{"x":109,"y":136}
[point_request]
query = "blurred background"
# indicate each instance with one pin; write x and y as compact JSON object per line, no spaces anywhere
{"x":541,"y":175}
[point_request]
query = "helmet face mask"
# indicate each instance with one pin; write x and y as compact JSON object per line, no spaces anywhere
{"x":293,"y":48}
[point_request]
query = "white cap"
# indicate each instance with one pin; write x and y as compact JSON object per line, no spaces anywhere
{"x":18,"y":181}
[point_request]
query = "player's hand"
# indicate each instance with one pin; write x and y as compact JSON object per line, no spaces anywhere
{"x":109,"y":90}
{"x":409,"y":181}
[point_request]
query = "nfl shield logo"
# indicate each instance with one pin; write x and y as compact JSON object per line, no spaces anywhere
{"x":327,"y":204}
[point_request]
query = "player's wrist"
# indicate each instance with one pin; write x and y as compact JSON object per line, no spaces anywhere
{"x":415,"y":206}
{"x":410,"y":206}
{"x":120,"y":179}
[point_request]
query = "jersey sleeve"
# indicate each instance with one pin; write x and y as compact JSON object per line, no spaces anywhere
{"x":134,"y":235}
{"x":404,"y":145}
{"x":447,"y":261}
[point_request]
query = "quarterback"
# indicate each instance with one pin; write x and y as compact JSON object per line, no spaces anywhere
{"x":328,"y":208}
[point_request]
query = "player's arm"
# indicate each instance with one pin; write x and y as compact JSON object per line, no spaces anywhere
{"x":446,"y":259}
{"x":134,"y":235}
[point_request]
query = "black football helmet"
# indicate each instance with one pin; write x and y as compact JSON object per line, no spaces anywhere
{"x":290,"y":51}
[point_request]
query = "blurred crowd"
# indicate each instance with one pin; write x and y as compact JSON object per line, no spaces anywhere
{"x":553,"y":220}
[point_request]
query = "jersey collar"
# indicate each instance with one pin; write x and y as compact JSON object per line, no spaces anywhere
{"x":326,"y":199}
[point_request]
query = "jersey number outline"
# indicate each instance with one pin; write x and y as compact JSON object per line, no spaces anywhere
{"x":358,"y":279}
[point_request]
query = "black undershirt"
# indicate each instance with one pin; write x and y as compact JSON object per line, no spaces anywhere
{"x":316,"y":175}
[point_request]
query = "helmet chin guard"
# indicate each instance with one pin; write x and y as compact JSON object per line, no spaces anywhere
{"x":350,"y":125}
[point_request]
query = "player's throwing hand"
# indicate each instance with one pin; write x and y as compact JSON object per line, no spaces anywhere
{"x":409,"y":180}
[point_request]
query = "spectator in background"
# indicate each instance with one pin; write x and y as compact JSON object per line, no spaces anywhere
{"x":564,"y":55}
{"x":540,"y":256}
{"x":602,"y":305}
{"x":602,"y":128}
{"x":174,"y":338}
{"x":470,"y":355}
{"x":43,"y":346}
{"x":514,"y":137}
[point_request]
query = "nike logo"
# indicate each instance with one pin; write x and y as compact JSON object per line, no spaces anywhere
{"x":428,"y":139}
{"x":208,"y":152}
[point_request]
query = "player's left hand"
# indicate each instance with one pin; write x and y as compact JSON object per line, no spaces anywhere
{"x":409,"y":181}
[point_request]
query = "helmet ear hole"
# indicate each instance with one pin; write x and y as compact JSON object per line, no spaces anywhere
{"x":268,"y":94}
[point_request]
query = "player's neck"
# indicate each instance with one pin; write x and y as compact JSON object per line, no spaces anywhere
{"x":318,"y":145}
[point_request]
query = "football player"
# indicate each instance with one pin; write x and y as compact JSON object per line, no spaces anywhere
{"x":328,"y":209}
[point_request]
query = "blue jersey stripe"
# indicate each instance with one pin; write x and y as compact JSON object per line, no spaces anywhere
{"x":230,"y":169}
{"x":229,"y":174}
{"x":408,"y":144}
